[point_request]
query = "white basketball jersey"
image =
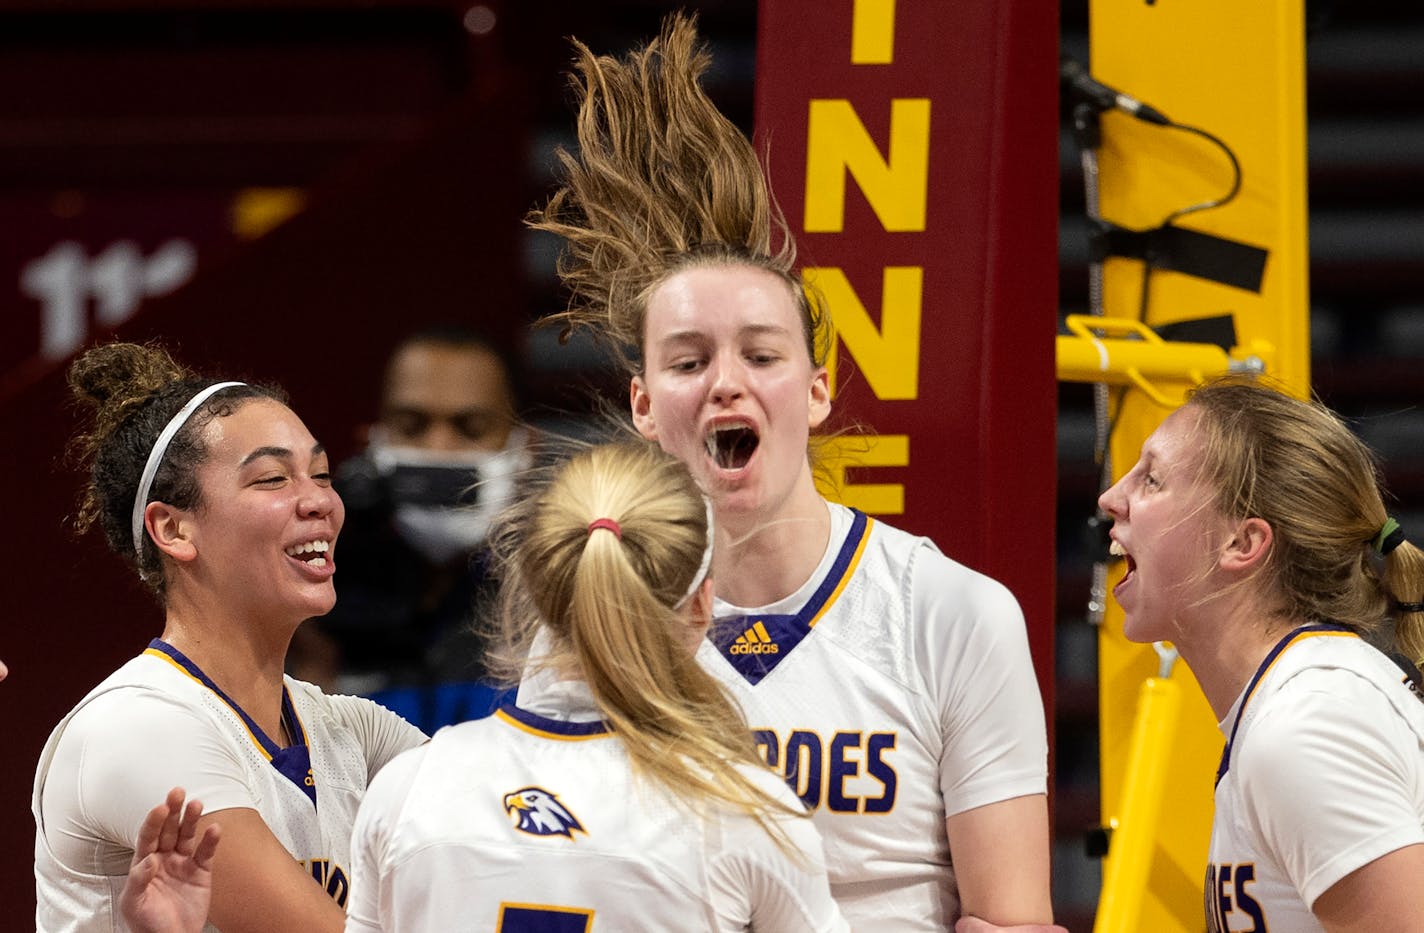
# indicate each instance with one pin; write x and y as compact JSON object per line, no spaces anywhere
{"x":1323,"y":773}
{"x":520,"y":823}
{"x":886,"y":712}
{"x":307,"y":793}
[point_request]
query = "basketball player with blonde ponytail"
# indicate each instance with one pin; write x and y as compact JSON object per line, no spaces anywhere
{"x":1257,"y":541}
{"x":622,"y":783}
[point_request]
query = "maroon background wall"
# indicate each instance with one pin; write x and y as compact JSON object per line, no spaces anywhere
{"x":139,"y":127}
{"x":981,"y":473}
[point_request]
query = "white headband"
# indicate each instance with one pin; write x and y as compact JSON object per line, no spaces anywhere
{"x":706,"y":564}
{"x":155,"y":457}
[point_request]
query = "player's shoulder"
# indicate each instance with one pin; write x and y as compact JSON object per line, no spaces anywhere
{"x":147,"y":682}
{"x":924,"y":558}
{"x":1331,"y":692}
{"x":457,"y":737}
{"x":774,"y":786}
{"x":314,"y":706}
{"x":121,"y":715}
{"x":1324,"y":647}
{"x":771,"y":784}
{"x":886,"y":535}
{"x":1332,"y":665}
{"x":309,"y":699}
{"x":395,"y":790}
{"x":746,"y":839}
{"x":475,"y":745}
{"x":941,"y":584}
{"x":401,"y":773}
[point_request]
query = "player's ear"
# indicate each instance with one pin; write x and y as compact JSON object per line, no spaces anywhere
{"x":641,"y":404}
{"x":1248,"y":546}
{"x":172,"y":530}
{"x":820,"y":397}
{"x":699,"y":612}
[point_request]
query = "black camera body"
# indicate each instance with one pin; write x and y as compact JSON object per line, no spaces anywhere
{"x":369,"y":487}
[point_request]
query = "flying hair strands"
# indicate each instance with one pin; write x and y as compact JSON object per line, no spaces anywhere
{"x":660,"y":174}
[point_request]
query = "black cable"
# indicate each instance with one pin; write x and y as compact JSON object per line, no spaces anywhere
{"x":1232,"y":192}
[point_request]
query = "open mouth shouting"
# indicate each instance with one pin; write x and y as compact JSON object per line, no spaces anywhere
{"x":731,"y":445}
{"x":1117,"y":550}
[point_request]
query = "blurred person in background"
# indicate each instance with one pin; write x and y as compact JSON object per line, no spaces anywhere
{"x":445,"y":455}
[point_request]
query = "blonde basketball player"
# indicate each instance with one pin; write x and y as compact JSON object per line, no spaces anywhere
{"x":222,"y":499}
{"x":1257,"y":541}
{"x":621,"y":790}
{"x":892,"y":687}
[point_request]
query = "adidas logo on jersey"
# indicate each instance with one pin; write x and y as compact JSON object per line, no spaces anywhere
{"x":755,"y":640}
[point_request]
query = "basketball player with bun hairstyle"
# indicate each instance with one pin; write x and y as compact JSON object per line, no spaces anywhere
{"x":1257,"y":541}
{"x":891,"y":686}
{"x":221,"y":499}
{"x":621,"y":784}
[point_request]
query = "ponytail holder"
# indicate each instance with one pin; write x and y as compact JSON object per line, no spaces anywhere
{"x":1390,"y":536}
{"x":1409,"y":607}
{"x":608,"y":523}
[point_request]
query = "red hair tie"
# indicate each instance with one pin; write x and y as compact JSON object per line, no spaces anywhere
{"x":608,"y":523}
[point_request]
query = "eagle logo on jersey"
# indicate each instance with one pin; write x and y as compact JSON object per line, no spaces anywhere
{"x":539,"y":813}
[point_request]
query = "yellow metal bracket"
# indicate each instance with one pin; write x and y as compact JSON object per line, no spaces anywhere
{"x":1121,"y":351}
